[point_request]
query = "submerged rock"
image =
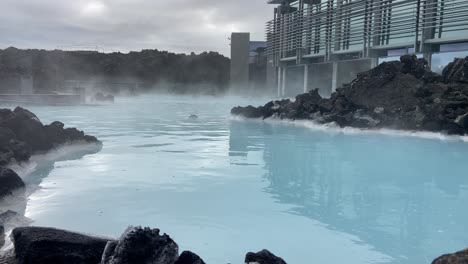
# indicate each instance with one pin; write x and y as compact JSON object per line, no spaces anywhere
{"x":460,"y":257}
{"x":399,"y":94}
{"x":141,"y":245}
{"x":9,"y":182}
{"x":263,"y":257}
{"x":40,"y":245}
{"x":188,"y":257}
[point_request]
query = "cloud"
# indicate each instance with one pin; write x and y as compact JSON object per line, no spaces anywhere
{"x":93,"y":9}
{"x":125,"y":25}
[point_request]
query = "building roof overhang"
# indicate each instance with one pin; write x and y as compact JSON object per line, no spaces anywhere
{"x":279,"y":1}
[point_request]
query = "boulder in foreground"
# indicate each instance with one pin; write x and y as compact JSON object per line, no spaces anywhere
{"x":460,"y":257}
{"x":141,"y":245}
{"x":9,"y":182}
{"x":40,"y":245}
{"x":263,"y":257}
{"x":188,"y":257}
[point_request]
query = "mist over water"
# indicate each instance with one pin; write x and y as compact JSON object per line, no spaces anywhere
{"x":221,"y":186}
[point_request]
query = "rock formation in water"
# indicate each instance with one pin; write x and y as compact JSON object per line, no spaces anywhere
{"x":141,"y":245}
{"x":41,"y":245}
{"x":23,"y":134}
{"x":9,"y":182}
{"x":188,"y":257}
{"x":134,"y":72}
{"x":47,"y":245}
{"x":137,"y":245}
{"x":263,"y":257}
{"x":401,"y":94}
{"x":460,"y":257}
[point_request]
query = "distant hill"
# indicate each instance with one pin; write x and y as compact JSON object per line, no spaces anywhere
{"x":153,"y":70}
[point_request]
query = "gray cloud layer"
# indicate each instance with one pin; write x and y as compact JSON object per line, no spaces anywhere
{"x":124,"y":25}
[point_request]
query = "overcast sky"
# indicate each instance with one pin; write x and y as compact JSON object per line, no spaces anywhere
{"x":125,"y":25}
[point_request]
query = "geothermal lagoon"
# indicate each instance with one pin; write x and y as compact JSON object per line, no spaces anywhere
{"x":222,"y":186}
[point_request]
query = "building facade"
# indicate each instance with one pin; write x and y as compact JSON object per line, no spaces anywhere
{"x":250,"y":68}
{"x":325,"y":43}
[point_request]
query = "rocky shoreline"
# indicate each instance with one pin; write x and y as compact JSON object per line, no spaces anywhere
{"x":22,"y":135}
{"x":403,"y":95}
{"x":41,"y":245}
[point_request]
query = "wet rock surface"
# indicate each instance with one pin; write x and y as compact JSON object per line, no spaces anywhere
{"x":22,"y":134}
{"x":460,"y":257}
{"x":9,"y":182}
{"x":41,"y":245}
{"x":47,"y":245}
{"x":401,"y":94}
{"x":141,"y":245}
{"x":188,"y":257}
{"x":263,"y":257}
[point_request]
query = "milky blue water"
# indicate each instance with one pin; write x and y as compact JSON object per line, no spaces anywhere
{"x":222,"y":187}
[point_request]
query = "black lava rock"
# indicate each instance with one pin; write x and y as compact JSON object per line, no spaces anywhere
{"x":9,"y":182}
{"x":141,"y":245}
{"x":263,"y":257}
{"x":401,"y":94}
{"x":40,"y":245}
{"x":188,"y":257}
{"x":460,"y":257}
{"x":456,"y":71}
{"x":22,"y":134}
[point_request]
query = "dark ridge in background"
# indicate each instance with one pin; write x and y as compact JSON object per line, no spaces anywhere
{"x":154,"y":70}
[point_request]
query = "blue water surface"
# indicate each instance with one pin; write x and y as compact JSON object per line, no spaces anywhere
{"x":222,"y":187}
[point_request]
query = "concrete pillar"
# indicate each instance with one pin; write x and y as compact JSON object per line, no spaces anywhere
{"x":374,"y":62}
{"x":428,"y":31}
{"x":283,"y":85}
{"x":280,"y":82}
{"x":306,"y":78}
{"x":240,"y":60}
{"x":428,"y":57}
{"x":334,"y":76}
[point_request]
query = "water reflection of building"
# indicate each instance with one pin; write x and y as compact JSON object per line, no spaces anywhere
{"x":366,"y":187}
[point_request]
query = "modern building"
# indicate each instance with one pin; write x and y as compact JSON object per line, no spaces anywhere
{"x":325,"y":43}
{"x":249,"y":65}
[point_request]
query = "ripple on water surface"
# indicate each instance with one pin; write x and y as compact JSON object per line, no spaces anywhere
{"x":222,"y":187}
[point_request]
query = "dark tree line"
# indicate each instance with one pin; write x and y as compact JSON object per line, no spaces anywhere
{"x":207,"y":72}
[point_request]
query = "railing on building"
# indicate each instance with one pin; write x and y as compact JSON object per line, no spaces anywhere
{"x":332,"y":28}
